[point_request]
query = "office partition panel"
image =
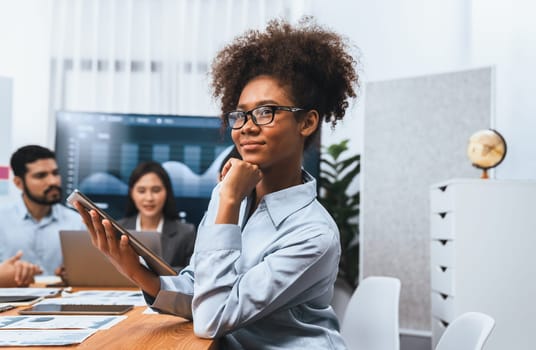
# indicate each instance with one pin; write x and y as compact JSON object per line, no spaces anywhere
{"x":416,"y":134}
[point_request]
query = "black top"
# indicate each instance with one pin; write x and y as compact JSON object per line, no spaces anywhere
{"x":178,"y":239}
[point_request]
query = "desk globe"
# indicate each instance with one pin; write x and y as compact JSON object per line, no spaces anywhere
{"x":486,"y":150}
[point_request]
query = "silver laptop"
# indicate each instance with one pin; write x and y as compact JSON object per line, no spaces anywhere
{"x":86,"y":266}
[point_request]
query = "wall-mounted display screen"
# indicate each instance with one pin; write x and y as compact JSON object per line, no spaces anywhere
{"x":96,"y":152}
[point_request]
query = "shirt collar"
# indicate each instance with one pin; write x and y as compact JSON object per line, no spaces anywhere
{"x":23,"y":213}
{"x":282,"y":204}
{"x":158,"y":228}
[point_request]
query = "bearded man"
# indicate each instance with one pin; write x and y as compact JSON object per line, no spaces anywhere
{"x":30,"y":225}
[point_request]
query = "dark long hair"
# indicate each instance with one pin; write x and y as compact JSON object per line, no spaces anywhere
{"x":170,"y":209}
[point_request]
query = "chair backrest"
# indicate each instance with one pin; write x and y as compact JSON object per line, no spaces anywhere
{"x":371,"y":318}
{"x":468,"y":331}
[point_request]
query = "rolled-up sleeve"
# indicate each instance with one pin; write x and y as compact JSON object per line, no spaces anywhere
{"x":175,"y":295}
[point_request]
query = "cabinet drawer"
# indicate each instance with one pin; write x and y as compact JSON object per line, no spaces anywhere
{"x":438,"y":328}
{"x":443,"y":280}
{"x":443,"y":306}
{"x":442,"y":226}
{"x":442,"y":253}
{"x":441,"y":199}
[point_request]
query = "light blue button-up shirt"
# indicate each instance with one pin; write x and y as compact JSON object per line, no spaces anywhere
{"x":266,"y":283}
{"x":39,"y":241}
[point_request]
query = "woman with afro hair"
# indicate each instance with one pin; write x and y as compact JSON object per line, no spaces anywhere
{"x":266,"y":254}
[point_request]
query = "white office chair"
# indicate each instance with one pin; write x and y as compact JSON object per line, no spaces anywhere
{"x":468,"y":331}
{"x":371,"y":318}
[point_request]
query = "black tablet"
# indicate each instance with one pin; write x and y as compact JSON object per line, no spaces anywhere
{"x":71,"y":309}
{"x":156,"y":263}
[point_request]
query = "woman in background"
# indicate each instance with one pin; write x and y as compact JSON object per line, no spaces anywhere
{"x":151,"y":207}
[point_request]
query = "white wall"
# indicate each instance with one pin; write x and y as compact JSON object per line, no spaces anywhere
{"x":418,"y":37}
{"x":398,"y":39}
{"x":504,"y":33}
{"x":24,"y":47}
{"x":24,"y":43}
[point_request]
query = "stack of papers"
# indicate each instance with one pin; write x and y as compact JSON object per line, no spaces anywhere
{"x":99,"y":297}
{"x":39,"y":292}
{"x":28,"y":337}
{"x":50,"y":330}
{"x":58,"y":322}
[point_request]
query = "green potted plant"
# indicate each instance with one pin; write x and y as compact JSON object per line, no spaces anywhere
{"x":337,"y":171}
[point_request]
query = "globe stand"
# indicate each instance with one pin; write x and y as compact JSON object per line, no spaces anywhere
{"x":484,"y":174}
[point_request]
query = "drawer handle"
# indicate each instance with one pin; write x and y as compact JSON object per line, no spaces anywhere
{"x":442,"y":215}
{"x":443,"y":268}
{"x":444,"y":323}
{"x":444,"y":296}
{"x":443,"y":188}
{"x":443,"y":241}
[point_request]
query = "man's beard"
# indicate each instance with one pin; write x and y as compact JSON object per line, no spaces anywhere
{"x":43,"y":199}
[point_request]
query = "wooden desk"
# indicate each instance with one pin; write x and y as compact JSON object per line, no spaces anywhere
{"x":139,"y":331}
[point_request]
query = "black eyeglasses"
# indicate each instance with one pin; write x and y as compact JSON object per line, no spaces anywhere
{"x":261,"y":115}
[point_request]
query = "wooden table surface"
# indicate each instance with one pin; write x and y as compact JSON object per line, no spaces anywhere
{"x":139,"y":331}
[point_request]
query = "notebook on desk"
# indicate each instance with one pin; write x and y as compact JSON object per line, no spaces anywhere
{"x":86,"y":266}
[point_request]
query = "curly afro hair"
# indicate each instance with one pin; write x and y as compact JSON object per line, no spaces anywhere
{"x":311,"y":61}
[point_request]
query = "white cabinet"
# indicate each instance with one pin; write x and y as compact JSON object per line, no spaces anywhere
{"x":483,"y":257}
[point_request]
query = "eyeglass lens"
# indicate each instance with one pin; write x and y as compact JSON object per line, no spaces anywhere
{"x":261,"y":116}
